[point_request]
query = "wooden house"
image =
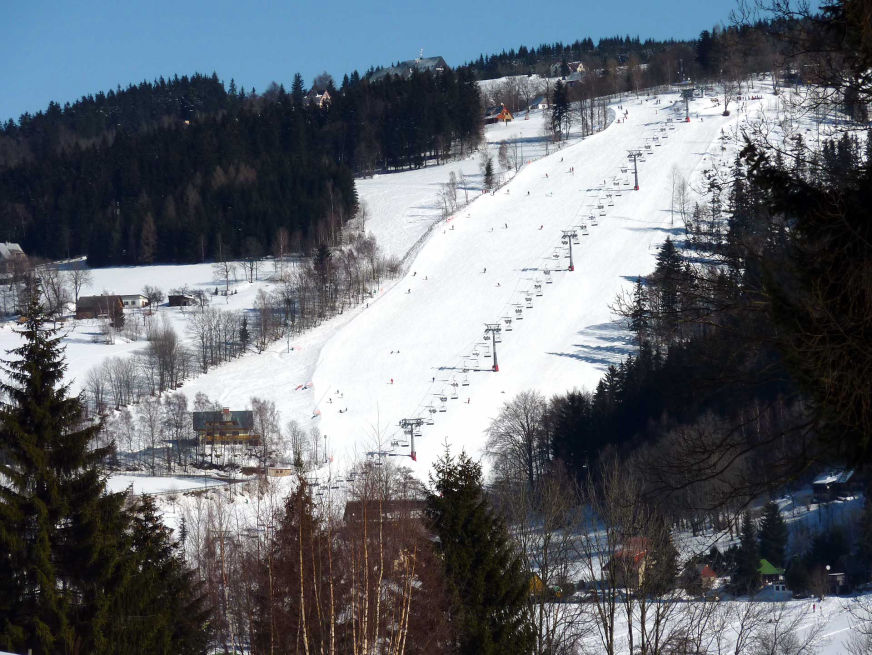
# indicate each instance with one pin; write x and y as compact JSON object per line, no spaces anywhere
{"x":834,"y":486}
{"x":390,"y":510}
{"x":496,"y":114}
{"x":111,"y":307}
{"x":181,"y":300}
{"x":225,"y":427}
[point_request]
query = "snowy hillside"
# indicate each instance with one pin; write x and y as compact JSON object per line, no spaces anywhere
{"x":400,"y":355}
{"x":420,"y":339}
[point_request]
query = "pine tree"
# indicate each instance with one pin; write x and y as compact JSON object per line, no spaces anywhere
{"x":78,"y":573}
{"x":639,"y":313}
{"x":489,"y":174}
{"x":159,"y":608}
{"x":244,"y":334}
{"x":58,"y":530}
{"x":773,"y":535}
{"x":559,"y":110}
{"x":746,"y":578}
{"x":484,"y":576}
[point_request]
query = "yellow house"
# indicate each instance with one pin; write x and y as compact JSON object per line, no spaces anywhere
{"x":225,"y":427}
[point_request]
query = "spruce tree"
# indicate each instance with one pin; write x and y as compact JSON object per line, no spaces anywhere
{"x":559,"y":109}
{"x":58,"y":529}
{"x":244,"y":334}
{"x":159,"y":607}
{"x":489,"y":174}
{"x":484,"y":576}
{"x":773,"y":535}
{"x":639,"y":313}
{"x":78,"y":573}
{"x":746,"y":578}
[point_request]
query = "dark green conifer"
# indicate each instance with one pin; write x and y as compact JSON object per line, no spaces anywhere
{"x":746,"y":578}
{"x":58,"y":529}
{"x":773,"y":535}
{"x":78,"y":573}
{"x":484,"y":576}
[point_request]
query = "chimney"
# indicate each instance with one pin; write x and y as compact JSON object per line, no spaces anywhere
{"x":225,"y":415}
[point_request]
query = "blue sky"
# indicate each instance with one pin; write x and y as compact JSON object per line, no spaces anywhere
{"x":64,"y":49}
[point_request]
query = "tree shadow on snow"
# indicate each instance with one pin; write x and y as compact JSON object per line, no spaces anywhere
{"x":609,"y":343}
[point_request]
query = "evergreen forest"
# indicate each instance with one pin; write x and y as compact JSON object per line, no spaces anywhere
{"x":187,"y":171}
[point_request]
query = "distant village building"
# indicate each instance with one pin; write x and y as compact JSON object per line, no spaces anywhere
{"x":539,"y":102}
{"x":496,"y":114}
{"x":406,"y":68}
{"x":628,"y":563}
{"x":769,"y":572}
{"x":387,"y":510}
{"x":134,"y":300}
{"x":11,"y":257}
{"x":181,"y":300}
{"x":225,"y":427}
{"x":834,"y":486}
{"x":100,"y":306}
{"x":707,"y":576}
{"x":318,"y":98}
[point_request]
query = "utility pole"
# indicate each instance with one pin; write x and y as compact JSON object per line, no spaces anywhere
{"x":633,"y":154}
{"x":494,"y":329}
{"x":410,"y":425}
{"x":568,"y":236}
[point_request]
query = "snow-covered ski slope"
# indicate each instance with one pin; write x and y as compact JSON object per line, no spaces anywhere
{"x":397,"y":358}
{"x":433,"y":318}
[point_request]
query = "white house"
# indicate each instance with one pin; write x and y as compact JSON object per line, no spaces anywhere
{"x":539,"y":102}
{"x":134,"y":300}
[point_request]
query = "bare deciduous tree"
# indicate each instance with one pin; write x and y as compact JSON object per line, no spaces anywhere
{"x":517,"y":442}
{"x":78,"y":277}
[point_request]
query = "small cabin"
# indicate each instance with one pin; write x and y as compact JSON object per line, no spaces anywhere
{"x":539,"y":102}
{"x":181,"y":300}
{"x":769,"y":572}
{"x":496,"y":114}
